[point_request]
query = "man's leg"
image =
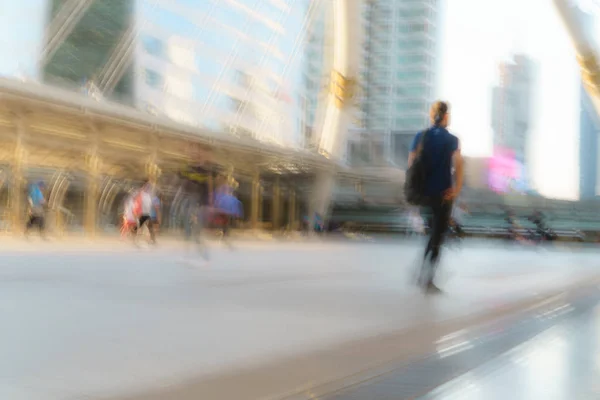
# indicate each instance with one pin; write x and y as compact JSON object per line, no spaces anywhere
{"x":200,"y":240}
{"x":29,"y":224}
{"x":139,"y":228}
{"x":429,"y":218}
{"x":148,"y":221}
{"x":428,"y":247}
{"x":42,"y":224}
{"x":441,"y":220}
{"x":227,"y":230}
{"x":188,"y":227}
{"x":152,"y":230}
{"x":440,"y":217}
{"x":423,"y":276}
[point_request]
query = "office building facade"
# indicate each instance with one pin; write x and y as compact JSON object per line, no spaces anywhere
{"x":589,"y":148}
{"x":224,"y":65}
{"x":227,"y":65}
{"x":317,"y":58}
{"x":399,"y":76}
{"x":80,"y":39}
{"x":512,"y":105}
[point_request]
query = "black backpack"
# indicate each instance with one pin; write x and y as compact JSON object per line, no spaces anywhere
{"x":416,"y":177}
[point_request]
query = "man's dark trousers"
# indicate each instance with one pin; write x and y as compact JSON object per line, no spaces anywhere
{"x":440,"y":211}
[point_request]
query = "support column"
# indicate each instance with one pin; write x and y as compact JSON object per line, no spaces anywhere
{"x":276,"y":205}
{"x":255,"y":201}
{"x":93,"y":168}
{"x":17,"y":180}
{"x":261,"y":203}
{"x":292,"y":209}
{"x":324,"y":188}
{"x":211,"y":188}
{"x":153,"y":171}
{"x":339,"y":108}
{"x":229,"y":180}
{"x":299,"y":218}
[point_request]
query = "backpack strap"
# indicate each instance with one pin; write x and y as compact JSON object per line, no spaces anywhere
{"x":422,"y":142}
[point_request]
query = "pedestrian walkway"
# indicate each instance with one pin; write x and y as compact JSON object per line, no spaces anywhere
{"x":263,"y":321}
{"x":559,"y":363}
{"x":546,"y":352}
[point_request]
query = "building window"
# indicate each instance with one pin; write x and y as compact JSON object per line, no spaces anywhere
{"x":414,"y":12}
{"x":153,"y":79}
{"x":208,"y":66}
{"x":235,"y":104}
{"x":413,"y":45}
{"x":413,"y":28}
{"x":353,"y":153}
{"x":378,"y":149}
{"x":411,"y":59}
{"x":200,"y":92}
{"x":412,"y":76}
{"x":408,"y":107}
{"x":401,"y":143}
{"x":410,"y":123}
{"x":153,"y":46}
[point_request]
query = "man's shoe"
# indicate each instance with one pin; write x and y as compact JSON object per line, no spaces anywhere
{"x":432,"y":289}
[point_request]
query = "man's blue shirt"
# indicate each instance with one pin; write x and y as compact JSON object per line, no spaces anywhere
{"x":36,"y":196}
{"x":438,"y":147}
{"x":155,"y":204}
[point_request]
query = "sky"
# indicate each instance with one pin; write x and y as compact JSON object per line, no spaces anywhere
{"x":22,"y":40}
{"x":479,"y":35}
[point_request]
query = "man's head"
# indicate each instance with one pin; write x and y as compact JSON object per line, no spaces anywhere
{"x":440,"y":113}
{"x":147,"y":187}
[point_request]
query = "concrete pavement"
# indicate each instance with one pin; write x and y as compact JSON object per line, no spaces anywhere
{"x":103,"y":320}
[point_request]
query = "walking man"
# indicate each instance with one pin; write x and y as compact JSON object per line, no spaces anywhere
{"x":145,"y":210}
{"x":37,"y":204}
{"x":440,"y":153}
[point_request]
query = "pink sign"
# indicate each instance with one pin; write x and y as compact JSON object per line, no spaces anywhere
{"x":502,"y":169}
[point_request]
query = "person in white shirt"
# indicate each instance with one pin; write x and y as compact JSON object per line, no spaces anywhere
{"x":129,"y":218}
{"x":128,"y":210}
{"x":145,"y":199}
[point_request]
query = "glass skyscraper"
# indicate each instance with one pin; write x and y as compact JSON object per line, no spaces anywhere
{"x":87,"y":47}
{"x":589,"y":130}
{"x":512,"y":105}
{"x":224,"y":65}
{"x":399,"y":77}
{"x":227,"y":65}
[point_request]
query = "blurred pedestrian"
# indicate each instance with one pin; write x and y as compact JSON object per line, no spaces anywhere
{"x":129,"y":223}
{"x":37,"y":204}
{"x":198,"y":220}
{"x":227,"y":209}
{"x":143,"y":210}
{"x":439,"y":152}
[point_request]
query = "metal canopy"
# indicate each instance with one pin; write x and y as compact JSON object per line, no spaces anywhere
{"x":40,"y":103}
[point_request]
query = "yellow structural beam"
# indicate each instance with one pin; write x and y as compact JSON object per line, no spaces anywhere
{"x":342,"y":88}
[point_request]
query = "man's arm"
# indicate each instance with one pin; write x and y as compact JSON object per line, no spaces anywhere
{"x":158,"y":211}
{"x":457,"y":161}
{"x":411,"y":158}
{"x":413,"y":149}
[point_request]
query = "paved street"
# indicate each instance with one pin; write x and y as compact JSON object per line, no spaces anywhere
{"x":91,"y":321}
